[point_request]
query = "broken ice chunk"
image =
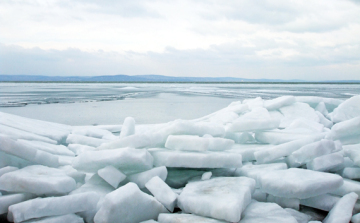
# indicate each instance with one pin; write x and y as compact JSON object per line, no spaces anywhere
{"x":342,"y":210}
{"x":279,"y":102}
{"x":355,"y":218}
{"x":111,"y":175}
{"x":84,"y":140}
{"x":162,"y":192}
{"x":206,"y":176}
{"x":52,"y":206}
{"x":133,"y":141}
{"x":28,"y":152}
{"x":47,"y":147}
{"x":293,"y":203}
{"x":297,"y":110}
{"x":128,"y":127}
{"x":298,"y":183}
{"x":258,"y":119}
{"x":129,"y":204}
{"x":185,"y":218}
{"x":7,"y":200}
{"x":69,"y":218}
{"x":38,"y":180}
{"x":222,"y":198}
{"x":7,"y":169}
{"x":347,"y":110}
{"x":78,"y":148}
{"x":309,"y":152}
{"x":299,"y":216}
{"x":266,"y":212}
{"x":142,"y":178}
{"x":20,"y":134}
{"x":322,"y":202}
{"x":169,"y":158}
{"x":124,"y":159}
{"x":326,"y":162}
{"x":348,"y":187}
{"x":351,"y":172}
{"x":187,"y":142}
{"x":277,"y":137}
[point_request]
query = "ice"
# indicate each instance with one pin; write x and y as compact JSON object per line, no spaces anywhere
{"x":134,"y":141}
{"x":254,"y":171}
{"x":279,"y":102}
{"x":27,"y":152}
{"x":345,"y":129}
{"x":7,"y":169}
{"x":128,"y":127}
{"x":277,"y":137}
{"x":168,"y":158}
{"x":270,"y":154}
{"x":149,"y":221}
{"x":355,"y":218}
{"x":349,"y":109}
{"x":84,"y":140}
{"x":78,"y":149}
{"x":222,"y":198}
{"x":297,"y":110}
{"x":79,"y":177}
{"x":111,"y":175}
{"x":69,"y":218}
{"x":20,"y":134}
{"x":298,"y":183}
{"x":206,"y":176}
{"x":266,"y":212}
{"x":293,"y":203}
{"x":309,"y":152}
{"x":142,"y":178}
{"x":254,"y":103}
{"x":93,"y":131}
{"x":301,"y":123}
{"x":40,"y":180}
{"x":124,"y":159}
{"x":259,"y":195}
{"x":10,"y":160}
{"x":326,"y":122}
{"x":247,"y":150}
{"x":7,"y":200}
{"x":57,"y":132}
{"x":347,"y":187}
{"x":300,"y":217}
{"x":130,"y":205}
{"x":185,"y":218}
{"x":239,"y":137}
{"x":313,"y":101}
{"x":52,"y":206}
{"x":47,"y":147}
{"x":321,"y":107}
{"x":258,"y":119}
{"x":162,"y":192}
{"x":196,"y":143}
{"x":351,"y":172}
{"x":322,"y":202}
{"x":342,"y":210}
{"x":326,"y":162}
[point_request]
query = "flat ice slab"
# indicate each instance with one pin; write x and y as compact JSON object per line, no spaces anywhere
{"x":124,"y":159}
{"x":128,"y":204}
{"x":68,"y":218}
{"x":257,"y":212}
{"x":170,"y":158}
{"x":299,"y":183}
{"x":40,"y":180}
{"x":222,"y":198}
{"x":186,"y":218}
{"x":53,"y":206}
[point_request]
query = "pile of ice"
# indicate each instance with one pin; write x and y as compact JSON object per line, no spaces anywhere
{"x":290,"y":159}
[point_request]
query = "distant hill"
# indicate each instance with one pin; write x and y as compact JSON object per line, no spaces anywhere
{"x":142,"y":78}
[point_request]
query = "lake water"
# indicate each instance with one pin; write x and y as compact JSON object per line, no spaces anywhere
{"x":110,"y":103}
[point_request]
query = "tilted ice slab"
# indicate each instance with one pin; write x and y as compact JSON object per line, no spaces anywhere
{"x":7,"y":200}
{"x":298,"y":183}
{"x":170,"y":158}
{"x":40,"y":180}
{"x":313,"y":101}
{"x":111,"y":175}
{"x":54,"y":131}
{"x":142,"y":178}
{"x":256,"y":120}
{"x":342,"y":210}
{"x":222,"y":198}
{"x":196,"y":143}
{"x":134,"y":141}
{"x":309,"y":152}
{"x":247,"y":151}
{"x":68,"y":218}
{"x":47,"y":147}
{"x":277,"y":137}
{"x":348,"y":187}
{"x":299,"y":216}
{"x":326,"y":162}
{"x":20,"y":134}
{"x":266,"y":212}
{"x":78,"y":148}
{"x":162,"y":192}
{"x":129,"y":204}
{"x":124,"y":159}
{"x":345,"y":129}
{"x":27,"y":152}
{"x":84,"y":140}
{"x":347,"y":110}
{"x":293,"y":203}
{"x":53,"y":206}
{"x":279,"y":102}
{"x":128,"y":127}
{"x":186,"y":218}
{"x":297,"y":110}
{"x":322,"y":202}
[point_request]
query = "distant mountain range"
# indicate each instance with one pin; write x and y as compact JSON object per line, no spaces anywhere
{"x":145,"y":78}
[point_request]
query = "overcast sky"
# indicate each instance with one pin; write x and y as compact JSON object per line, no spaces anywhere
{"x":286,"y":39}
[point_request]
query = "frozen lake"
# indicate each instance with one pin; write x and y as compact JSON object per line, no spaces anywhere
{"x":110,"y":103}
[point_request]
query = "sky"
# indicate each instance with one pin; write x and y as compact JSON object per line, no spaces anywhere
{"x":273,"y":39}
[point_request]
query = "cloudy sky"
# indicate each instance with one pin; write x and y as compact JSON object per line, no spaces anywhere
{"x":287,"y":39}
